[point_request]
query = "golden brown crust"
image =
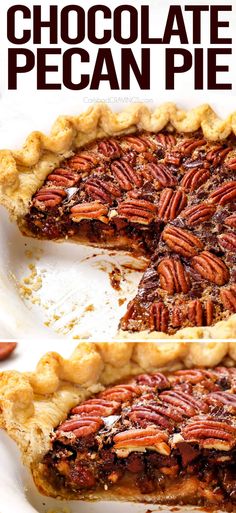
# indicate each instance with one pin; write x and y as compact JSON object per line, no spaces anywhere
{"x":23,"y":171}
{"x":33,"y":404}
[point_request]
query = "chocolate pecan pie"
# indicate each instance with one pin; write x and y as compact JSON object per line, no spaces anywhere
{"x":167,"y":189}
{"x":164,"y":437}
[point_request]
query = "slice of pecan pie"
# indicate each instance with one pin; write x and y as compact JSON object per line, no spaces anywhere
{"x":169,"y":438}
{"x":168,"y":194}
{"x":161,"y":435}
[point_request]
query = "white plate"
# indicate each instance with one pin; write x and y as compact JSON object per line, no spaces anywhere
{"x":74,"y":297}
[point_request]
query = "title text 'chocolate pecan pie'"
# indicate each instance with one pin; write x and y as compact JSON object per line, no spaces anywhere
{"x":158,"y":183}
{"x":164,"y":437}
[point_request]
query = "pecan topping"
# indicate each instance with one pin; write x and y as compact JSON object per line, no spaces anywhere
{"x":188,"y":146}
{"x":228,"y":297}
{"x":102,"y":190}
{"x":165,"y":140}
{"x":6,"y":348}
{"x":201,"y":314}
{"x":86,"y":210}
{"x":185,"y":403}
{"x":182,"y":241}
{"x":162,"y":174}
{"x":158,"y":317}
{"x":48,"y":198}
{"x":224,"y":194}
{"x":135,"y":143}
{"x":231,"y":163}
{"x":194,"y":178}
{"x":134,"y":439}
{"x":84,"y":161}
{"x":177,"y":317}
{"x":146,"y":415}
{"x":173,"y":277}
{"x":97,"y":407}
{"x":137,"y":211}
{"x":210,"y":434}
{"x":64,"y":177}
{"x":157,"y":380}
{"x":217,"y":154}
{"x":121,"y":393}
{"x":81,"y":426}
{"x":231,"y":221}
{"x":228,"y":241}
{"x":219,"y":398}
{"x":211,"y":268}
{"x":110,"y":148}
{"x":127,"y":177}
{"x":198,"y":213}
{"x":192,"y":376}
{"x":170,"y":204}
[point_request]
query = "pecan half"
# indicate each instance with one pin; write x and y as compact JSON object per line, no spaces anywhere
{"x":158,"y":317}
{"x":48,"y":198}
{"x":188,"y":146}
{"x":64,"y":177}
{"x":177,"y":316}
{"x":231,"y":221}
{"x":97,"y":407}
{"x":135,"y":143}
{"x":146,"y":415}
{"x":173,"y":277}
{"x":224,"y":194}
{"x":194,"y":178}
{"x":217,"y":154}
{"x":6,"y":348}
{"x":137,"y":210}
{"x":81,"y":426}
{"x":185,"y":403}
{"x":86,"y":210}
{"x":84,"y":161}
{"x":165,"y":140}
{"x":228,"y":241}
{"x":110,"y":148}
{"x":192,"y":376}
{"x":222,"y":398}
{"x":102,"y":190}
{"x":198,"y":213}
{"x":228,"y":297}
{"x":231,"y":163}
{"x":210,"y":434}
{"x":182,"y":241}
{"x":157,"y":380}
{"x":161,"y":174}
{"x":200,"y":314}
{"x":211,"y":267}
{"x":134,"y":439}
{"x":127,"y":177}
{"x":171,"y":203}
{"x":121,"y":393}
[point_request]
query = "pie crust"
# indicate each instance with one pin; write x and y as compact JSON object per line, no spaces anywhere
{"x":23,"y":172}
{"x":32,"y":404}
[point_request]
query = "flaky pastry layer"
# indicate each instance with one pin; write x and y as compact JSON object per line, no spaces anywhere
{"x":32,"y":404}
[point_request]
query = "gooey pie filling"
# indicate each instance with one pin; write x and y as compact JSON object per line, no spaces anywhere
{"x":149,"y":435}
{"x":169,"y":196}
